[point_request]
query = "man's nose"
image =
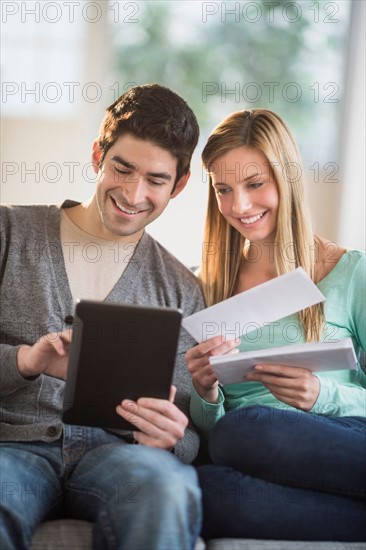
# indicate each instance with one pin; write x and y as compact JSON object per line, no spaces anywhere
{"x":134,"y":190}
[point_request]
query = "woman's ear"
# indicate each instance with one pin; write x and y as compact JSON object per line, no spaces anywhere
{"x":181,"y":183}
{"x":96,"y":156}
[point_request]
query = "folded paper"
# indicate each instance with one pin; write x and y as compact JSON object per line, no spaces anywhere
{"x":314,"y":356}
{"x":249,"y":310}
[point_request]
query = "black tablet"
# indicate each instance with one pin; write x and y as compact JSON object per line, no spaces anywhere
{"x":118,"y":351}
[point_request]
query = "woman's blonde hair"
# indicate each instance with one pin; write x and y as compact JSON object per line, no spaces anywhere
{"x":264,"y":131}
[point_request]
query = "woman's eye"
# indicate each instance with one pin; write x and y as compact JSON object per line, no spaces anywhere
{"x":255,"y":185}
{"x":222,"y":191}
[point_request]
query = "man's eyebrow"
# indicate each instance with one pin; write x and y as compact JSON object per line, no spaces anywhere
{"x":161,"y":175}
{"x":120,"y":160}
{"x":132,"y":166}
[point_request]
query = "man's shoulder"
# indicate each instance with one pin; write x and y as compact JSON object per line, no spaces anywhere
{"x":164,"y":259}
{"x":165,"y":279}
{"x":24,"y":213}
{"x":21,"y":224}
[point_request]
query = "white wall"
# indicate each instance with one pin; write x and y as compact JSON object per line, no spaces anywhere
{"x":351,"y":227}
{"x":338,"y":211}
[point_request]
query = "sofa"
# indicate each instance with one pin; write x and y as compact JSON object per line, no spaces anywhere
{"x":70,"y":534}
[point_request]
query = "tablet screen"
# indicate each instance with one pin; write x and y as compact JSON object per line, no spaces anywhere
{"x":118,"y":351}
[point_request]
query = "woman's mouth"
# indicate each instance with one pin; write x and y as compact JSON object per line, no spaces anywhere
{"x":252,"y":219}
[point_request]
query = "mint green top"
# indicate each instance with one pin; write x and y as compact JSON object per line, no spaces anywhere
{"x":342,"y":392}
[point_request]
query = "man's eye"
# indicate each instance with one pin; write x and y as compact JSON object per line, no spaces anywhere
{"x":119,"y":171}
{"x":158,"y":183}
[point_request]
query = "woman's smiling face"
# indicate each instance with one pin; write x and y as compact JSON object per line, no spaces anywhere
{"x":247,"y":193}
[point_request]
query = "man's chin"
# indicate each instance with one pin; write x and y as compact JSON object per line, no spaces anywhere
{"x":115,"y":230}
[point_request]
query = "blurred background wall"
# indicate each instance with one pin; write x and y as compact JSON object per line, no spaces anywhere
{"x":64,"y":62}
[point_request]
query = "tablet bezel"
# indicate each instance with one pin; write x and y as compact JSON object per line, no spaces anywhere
{"x":118,"y":351}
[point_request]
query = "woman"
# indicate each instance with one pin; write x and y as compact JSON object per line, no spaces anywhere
{"x":288,"y":446}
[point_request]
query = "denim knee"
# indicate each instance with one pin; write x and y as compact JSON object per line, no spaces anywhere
{"x":29,"y":492}
{"x":164,"y":509}
{"x":161,"y":474}
{"x":235,"y":425}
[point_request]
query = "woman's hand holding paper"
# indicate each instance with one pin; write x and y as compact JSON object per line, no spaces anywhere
{"x":295,"y":386}
{"x":203,"y":376}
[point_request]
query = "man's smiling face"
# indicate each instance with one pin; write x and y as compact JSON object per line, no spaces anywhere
{"x":134,"y":185}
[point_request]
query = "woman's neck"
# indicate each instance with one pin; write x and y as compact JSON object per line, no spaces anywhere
{"x":257,"y":266}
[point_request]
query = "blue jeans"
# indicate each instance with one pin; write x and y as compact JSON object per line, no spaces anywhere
{"x":285,"y":475}
{"x":138,"y":497}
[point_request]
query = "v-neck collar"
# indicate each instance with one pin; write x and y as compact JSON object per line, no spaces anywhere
{"x":122,"y":288}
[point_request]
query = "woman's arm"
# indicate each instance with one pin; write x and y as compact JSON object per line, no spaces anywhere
{"x":207,"y":400}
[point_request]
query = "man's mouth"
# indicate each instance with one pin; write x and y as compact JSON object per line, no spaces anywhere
{"x":126,"y":210}
{"x":252,"y":219}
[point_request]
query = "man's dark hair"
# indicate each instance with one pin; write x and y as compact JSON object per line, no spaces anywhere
{"x":153,"y":113}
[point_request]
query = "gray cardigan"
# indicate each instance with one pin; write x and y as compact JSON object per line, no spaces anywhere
{"x":36,"y":299}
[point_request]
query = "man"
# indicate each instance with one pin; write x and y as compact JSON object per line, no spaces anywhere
{"x":138,"y":496}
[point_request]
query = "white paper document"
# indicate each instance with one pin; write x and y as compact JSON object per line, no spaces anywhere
{"x":315,"y":356}
{"x":254,"y":308}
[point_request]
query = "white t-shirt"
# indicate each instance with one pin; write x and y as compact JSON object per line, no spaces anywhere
{"x":93,"y":265}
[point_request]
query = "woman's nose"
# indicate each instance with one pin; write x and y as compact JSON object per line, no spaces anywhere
{"x":241,"y":203}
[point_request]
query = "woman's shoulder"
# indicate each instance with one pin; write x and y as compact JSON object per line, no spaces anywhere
{"x":327,"y":256}
{"x":332,"y":257}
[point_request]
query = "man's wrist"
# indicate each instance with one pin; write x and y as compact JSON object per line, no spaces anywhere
{"x":22,"y":365}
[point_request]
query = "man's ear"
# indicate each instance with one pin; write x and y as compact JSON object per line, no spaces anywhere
{"x":181,"y":183}
{"x":96,"y":155}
